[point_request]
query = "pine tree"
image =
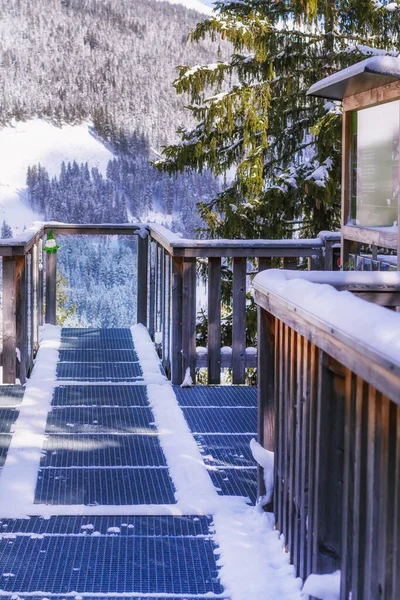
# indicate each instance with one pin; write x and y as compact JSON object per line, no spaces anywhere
{"x":253,"y":115}
{"x":6,"y":231}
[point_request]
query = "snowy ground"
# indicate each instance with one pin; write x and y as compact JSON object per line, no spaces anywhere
{"x":36,"y":141}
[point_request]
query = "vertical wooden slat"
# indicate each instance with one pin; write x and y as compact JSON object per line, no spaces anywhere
{"x":142,"y":279}
{"x":189,"y":317}
{"x":305,"y":458}
{"x":176,"y":334}
{"x":157,"y":312}
{"x":239,"y":321}
{"x":214,"y":321}
{"x":152,"y":289}
{"x":394,"y":565}
{"x":346,"y":191}
{"x":30,"y":311}
{"x":36,"y":297}
{"x":384,"y":474}
{"x":40,"y":293}
{"x":22,"y":317}
{"x":166,"y":313}
{"x":291,"y":420}
{"x":163,"y":303}
{"x":348,"y":484}
{"x":280,"y":440}
{"x":290,"y":263}
{"x":266,"y":391}
{"x":299,"y":457}
{"x":51,"y":288}
{"x":9,"y":320}
{"x":285,"y":428}
{"x":312,"y":425}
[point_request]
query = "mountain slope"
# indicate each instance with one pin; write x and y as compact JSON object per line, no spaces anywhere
{"x":112,"y":61}
{"x":33,"y":142}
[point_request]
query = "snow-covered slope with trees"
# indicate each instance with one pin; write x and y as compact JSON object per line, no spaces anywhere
{"x":34,"y":142}
{"x":200,"y":6}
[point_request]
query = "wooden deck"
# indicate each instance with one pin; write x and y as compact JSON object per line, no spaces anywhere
{"x":108,"y":515}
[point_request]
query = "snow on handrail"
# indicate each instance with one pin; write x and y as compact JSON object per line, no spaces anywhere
{"x":369,"y":329}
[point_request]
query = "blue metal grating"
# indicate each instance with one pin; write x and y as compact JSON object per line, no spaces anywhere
{"x":228,"y":395}
{"x":226,"y":450}
{"x":104,"y":486}
{"x":221,"y":420}
{"x":11,"y":395}
{"x":102,"y":451}
{"x":96,"y":343}
{"x":100,"y":420}
{"x":99,"y":565}
{"x":8,"y":416}
{"x":236,"y":482}
{"x":98,"y":356}
{"x":109,"y":395}
{"x":142,"y":526}
{"x":127,"y":597}
{"x":99,"y":371}
{"x":102,"y":334}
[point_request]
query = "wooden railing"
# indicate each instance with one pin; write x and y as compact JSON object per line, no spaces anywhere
{"x":329,"y":408}
{"x":166,"y":292}
{"x":170,"y":281}
{"x":29,"y":298}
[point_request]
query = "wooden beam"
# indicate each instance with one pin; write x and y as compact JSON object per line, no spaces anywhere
{"x":266,"y":386}
{"x":189,"y":317}
{"x":51,"y":288}
{"x":239,"y":321}
{"x":385,"y":93}
{"x":177,"y":317}
{"x":22,"y":317}
{"x":371,"y":235}
{"x":9,"y":320}
{"x":142,"y":274}
{"x":214,"y":321}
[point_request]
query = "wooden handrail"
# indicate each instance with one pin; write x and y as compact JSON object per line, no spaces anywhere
{"x":329,"y":409}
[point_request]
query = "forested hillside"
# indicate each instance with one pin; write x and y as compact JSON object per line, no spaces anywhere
{"x":107,"y":60}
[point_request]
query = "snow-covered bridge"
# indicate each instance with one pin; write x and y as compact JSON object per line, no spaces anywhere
{"x":138,"y":488}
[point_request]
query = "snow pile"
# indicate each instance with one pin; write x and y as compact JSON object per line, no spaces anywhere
{"x":324,"y":587}
{"x":19,"y":474}
{"x":36,"y":141}
{"x":265,"y":459}
{"x":187,"y":381}
{"x":252,"y":560}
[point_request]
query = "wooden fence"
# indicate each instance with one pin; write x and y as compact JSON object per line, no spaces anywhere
{"x":166,"y":292}
{"x":329,"y":407}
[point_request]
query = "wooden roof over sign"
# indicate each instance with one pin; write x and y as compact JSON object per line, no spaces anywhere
{"x":366,"y":75}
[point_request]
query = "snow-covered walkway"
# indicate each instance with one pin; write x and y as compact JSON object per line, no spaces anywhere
{"x":118,"y":485}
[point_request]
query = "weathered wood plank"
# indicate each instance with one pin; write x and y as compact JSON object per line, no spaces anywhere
{"x":30,"y":311}
{"x":299,"y":457}
{"x":384,"y":93}
{"x":189,"y":317}
{"x":51,"y":288}
{"x":239,"y":321}
{"x":266,"y":387}
{"x":305,"y":456}
{"x":142,"y":279}
{"x":177,"y":319}
{"x":22,"y":317}
{"x":9,"y":299}
{"x":214,"y":321}
{"x":369,"y":236}
{"x":36,"y":301}
{"x":40,"y":295}
{"x":152,"y":290}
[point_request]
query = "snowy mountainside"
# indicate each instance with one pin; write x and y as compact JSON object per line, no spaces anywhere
{"x":36,"y":141}
{"x":200,"y":6}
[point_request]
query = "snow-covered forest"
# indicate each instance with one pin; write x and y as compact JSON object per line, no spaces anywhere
{"x":110,"y":65}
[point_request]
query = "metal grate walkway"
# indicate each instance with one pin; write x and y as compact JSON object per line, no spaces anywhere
{"x":102,"y":448}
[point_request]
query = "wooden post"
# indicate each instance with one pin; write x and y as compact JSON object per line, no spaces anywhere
{"x":9,"y":320}
{"x":30,"y":310}
{"x":142,"y":260}
{"x":40,"y":284}
{"x":177,"y":292}
{"x":22,"y":316}
{"x":214,"y":321}
{"x":189,"y":317}
{"x":239,"y":321}
{"x":51,"y":288}
{"x":266,"y":386}
{"x":346,"y":178}
{"x":36,"y":296}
